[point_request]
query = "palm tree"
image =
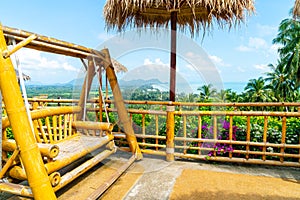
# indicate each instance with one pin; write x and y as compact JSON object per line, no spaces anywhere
{"x":289,"y":37}
{"x":232,"y":96}
{"x":207,"y":92}
{"x":223,"y":95}
{"x":280,"y":82}
{"x":257,"y":90}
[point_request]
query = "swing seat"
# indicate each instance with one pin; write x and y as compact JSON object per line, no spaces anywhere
{"x":63,"y":141}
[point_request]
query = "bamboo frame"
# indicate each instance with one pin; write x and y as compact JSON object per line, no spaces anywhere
{"x":50,"y":131}
{"x":30,"y":154}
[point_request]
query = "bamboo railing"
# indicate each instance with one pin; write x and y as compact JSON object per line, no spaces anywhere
{"x":156,"y":126}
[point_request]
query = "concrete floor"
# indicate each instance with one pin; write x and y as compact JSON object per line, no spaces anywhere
{"x":154,"y":178}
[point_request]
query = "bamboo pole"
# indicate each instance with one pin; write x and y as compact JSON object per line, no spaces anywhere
{"x":240,"y":160}
{"x":283,"y":135}
{"x":230,"y":134}
{"x":215,"y":129}
{"x":71,"y":175}
{"x":170,"y":134}
{"x":184,"y":134}
{"x":265,"y":135}
{"x":156,"y":131}
{"x":21,"y":44}
{"x":121,"y":109}
{"x":100,"y":190}
{"x":86,"y":88}
{"x":248,"y":136}
{"x":199,"y":133}
{"x":16,"y":189}
{"x":29,"y":151}
{"x":93,"y":125}
{"x":143,"y":128}
{"x":52,"y":45}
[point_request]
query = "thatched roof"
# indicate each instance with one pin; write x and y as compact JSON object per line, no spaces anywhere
{"x":192,"y":14}
{"x":296,"y":10}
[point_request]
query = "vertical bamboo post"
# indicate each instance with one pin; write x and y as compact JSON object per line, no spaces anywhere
{"x":184,"y":134}
{"x":143,"y":130}
{"x":215,"y":130}
{"x":29,"y":152}
{"x":265,"y":137}
{"x":199,"y":133}
{"x":170,"y":134}
{"x":230,"y":134}
{"x":283,"y":138}
{"x":121,"y":109}
{"x":248,"y":137}
{"x":156,"y":132}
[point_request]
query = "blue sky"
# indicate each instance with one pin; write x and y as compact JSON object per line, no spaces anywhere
{"x":238,"y":55}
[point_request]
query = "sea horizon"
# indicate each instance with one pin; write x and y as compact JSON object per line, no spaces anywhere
{"x":237,"y":87}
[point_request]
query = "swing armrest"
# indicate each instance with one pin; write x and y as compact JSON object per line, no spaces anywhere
{"x":104,"y":126}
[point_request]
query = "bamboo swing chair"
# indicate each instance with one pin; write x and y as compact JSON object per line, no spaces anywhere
{"x":50,"y":139}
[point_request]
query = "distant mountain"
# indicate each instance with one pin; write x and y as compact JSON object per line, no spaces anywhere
{"x":139,"y":82}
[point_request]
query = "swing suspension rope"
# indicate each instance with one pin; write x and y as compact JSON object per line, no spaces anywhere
{"x":22,"y":83}
{"x":100,"y":88}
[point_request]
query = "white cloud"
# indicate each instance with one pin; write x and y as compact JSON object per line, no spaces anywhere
{"x":47,"y":68}
{"x":218,"y":61}
{"x":34,"y":60}
{"x":266,"y":30}
{"x":257,"y":43}
{"x":244,"y":48}
{"x":157,"y":61}
{"x":262,"y":67}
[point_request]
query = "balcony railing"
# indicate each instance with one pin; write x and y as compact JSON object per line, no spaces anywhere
{"x":230,"y":132}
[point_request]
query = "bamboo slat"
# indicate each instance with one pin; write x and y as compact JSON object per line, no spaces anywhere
{"x":184,"y":134}
{"x":54,"y":121}
{"x":265,"y":136}
{"x":49,"y":130}
{"x":199,"y":132}
{"x":283,"y":134}
{"x":156,"y":131}
{"x":230,"y":134}
{"x":248,"y":136}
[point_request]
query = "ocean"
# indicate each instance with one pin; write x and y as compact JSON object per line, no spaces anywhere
{"x":237,"y":87}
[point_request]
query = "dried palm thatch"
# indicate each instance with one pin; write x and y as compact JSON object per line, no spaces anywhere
{"x":118,"y":67}
{"x":194,"y":14}
{"x":296,"y":10}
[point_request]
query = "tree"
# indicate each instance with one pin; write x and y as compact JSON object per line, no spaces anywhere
{"x":289,"y":38}
{"x":257,"y":90}
{"x":207,"y":92}
{"x":280,"y":82}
